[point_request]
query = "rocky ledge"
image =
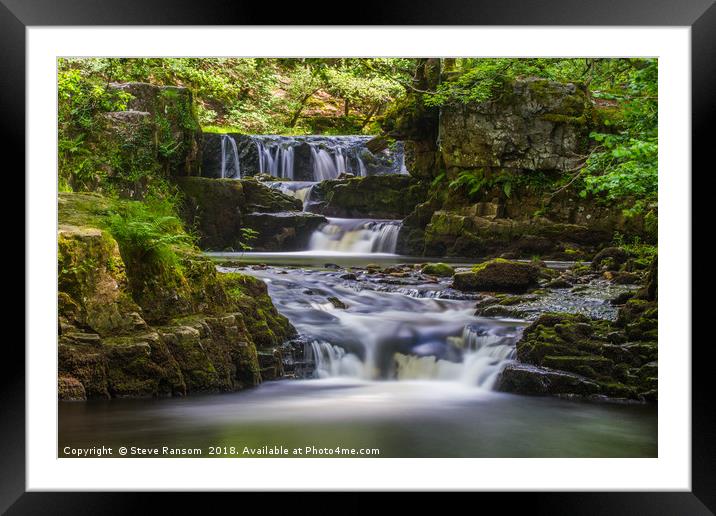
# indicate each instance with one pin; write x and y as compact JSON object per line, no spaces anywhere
{"x":152,"y":326}
{"x":237,"y":214}
{"x":571,"y":354}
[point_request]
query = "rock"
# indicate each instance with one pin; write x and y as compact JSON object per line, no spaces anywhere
{"x":610,"y":258}
{"x":222,"y":209}
{"x":70,"y":388}
{"x":177,"y":129}
{"x":626,"y":278}
{"x":283,"y":231}
{"x":538,"y":124}
{"x":138,"y":328}
{"x":558,"y":283}
{"x":337,"y":303}
{"x":438,"y":269}
{"x":622,"y":298}
{"x":526,"y":379}
{"x":498,"y":275}
{"x":380,"y":197}
{"x":593,"y":349}
{"x":348,"y":276}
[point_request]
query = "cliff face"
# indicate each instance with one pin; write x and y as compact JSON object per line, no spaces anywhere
{"x":497,"y":171}
{"x":134,"y":328}
{"x":536,"y":125}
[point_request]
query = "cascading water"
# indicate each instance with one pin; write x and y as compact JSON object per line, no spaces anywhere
{"x":484,"y":354}
{"x":302,"y":158}
{"x":356,"y":236}
{"x":386,"y":335}
{"x":230,"y":167}
{"x":330,"y":361}
{"x":300,"y":190}
{"x":324,"y":167}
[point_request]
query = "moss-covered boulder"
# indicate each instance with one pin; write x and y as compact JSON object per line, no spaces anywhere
{"x":498,"y":275}
{"x":530,"y":380}
{"x":131,"y":152}
{"x":610,"y":258}
{"x":438,"y":269}
{"x":283,"y":231}
{"x":176,"y":126}
{"x":267,"y":327}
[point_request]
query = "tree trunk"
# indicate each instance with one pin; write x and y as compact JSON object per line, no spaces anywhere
{"x":369,"y":116}
{"x":297,"y":113}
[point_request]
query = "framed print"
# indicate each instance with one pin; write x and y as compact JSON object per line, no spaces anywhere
{"x":427,"y":251}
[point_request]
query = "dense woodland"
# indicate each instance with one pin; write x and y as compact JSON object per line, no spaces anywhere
{"x":353,"y":96}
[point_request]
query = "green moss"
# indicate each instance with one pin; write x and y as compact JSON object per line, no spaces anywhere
{"x":565,"y":119}
{"x":267,"y":327}
{"x":484,"y":265}
{"x":438,"y":269}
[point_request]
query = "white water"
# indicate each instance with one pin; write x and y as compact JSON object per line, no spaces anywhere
{"x":300,"y":190}
{"x":230,"y":167}
{"x":356,"y":236}
{"x":485,"y":354}
{"x":324,"y":167}
{"x":312,"y":158}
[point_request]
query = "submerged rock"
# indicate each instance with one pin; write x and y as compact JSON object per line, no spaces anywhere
{"x":337,"y":303}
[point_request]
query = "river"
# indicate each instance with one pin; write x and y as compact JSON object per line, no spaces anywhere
{"x":401,"y":366}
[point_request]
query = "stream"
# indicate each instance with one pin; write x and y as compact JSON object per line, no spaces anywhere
{"x":399,"y":363}
{"x":403,"y":368}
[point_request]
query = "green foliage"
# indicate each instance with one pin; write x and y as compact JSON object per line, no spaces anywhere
{"x":267,"y":95}
{"x":641,"y":253}
{"x":149,"y":231}
{"x":81,"y":103}
{"x":624,"y":165}
{"x":473,"y":183}
{"x":248,"y":235}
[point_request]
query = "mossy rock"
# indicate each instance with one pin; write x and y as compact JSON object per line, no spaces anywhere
{"x":596,"y":350}
{"x":498,"y":275}
{"x":267,"y":327}
{"x":438,"y":269}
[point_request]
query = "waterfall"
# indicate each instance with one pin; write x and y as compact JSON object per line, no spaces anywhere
{"x":484,"y":355}
{"x":323,"y":165}
{"x":330,"y":360}
{"x":361,"y":167}
{"x":301,"y":158}
{"x":287,"y":163}
{"x":356,"y":236}
{"x":229,"y":161}
{"x":300,"y":190}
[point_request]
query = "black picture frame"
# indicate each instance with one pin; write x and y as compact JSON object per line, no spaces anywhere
{"x":700,"y":15}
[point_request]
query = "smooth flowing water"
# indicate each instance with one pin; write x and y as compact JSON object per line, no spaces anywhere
{"x":401,"y":365}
